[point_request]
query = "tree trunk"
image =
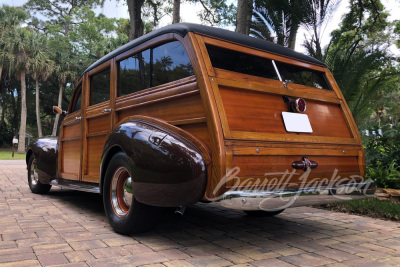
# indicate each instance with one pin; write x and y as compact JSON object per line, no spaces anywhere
{"x":135,"y":16}
{"x":243,"y":16}
{"x":3,"y":98}
{"x":292,"y":35}
{"x":176,"y":11}
{"x":22,"y":127}
{"x":39,"y":124}
{"x":55,"y":126}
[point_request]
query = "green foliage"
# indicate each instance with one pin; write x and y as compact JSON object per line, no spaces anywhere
{"x":216,"y":12}
{"x":371,"y":207}
{"x":359,"y":58}
{"x":383,"y":157}
{"x":6,"y":135}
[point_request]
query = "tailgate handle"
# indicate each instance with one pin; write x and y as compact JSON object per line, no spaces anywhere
{"x":304,"y":164}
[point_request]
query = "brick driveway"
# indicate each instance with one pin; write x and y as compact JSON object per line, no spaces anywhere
{"x":69,"y":228}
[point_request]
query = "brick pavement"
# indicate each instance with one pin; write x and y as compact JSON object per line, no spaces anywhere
{"x":69,"y":228}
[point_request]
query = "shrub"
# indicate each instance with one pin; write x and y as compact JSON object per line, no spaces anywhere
{"x":383,"y":157}
{"x":5,"y":135}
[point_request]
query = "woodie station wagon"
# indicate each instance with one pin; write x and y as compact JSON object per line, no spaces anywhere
{"x":192,"y":113}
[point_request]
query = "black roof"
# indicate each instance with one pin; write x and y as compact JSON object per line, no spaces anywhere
{"x":183,"y":28}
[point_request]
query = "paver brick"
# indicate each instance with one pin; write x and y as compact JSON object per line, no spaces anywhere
{"x":69,"y":228}
{"x":52,"y":259}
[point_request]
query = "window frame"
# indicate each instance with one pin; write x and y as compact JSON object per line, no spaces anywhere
{"x":205,"y":40}
{"x":78,"y":91}
{"x":90,"y":74}
{"x":158,"y":41}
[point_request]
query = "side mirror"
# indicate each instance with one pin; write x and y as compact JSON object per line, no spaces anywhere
{"x":58,"y":110}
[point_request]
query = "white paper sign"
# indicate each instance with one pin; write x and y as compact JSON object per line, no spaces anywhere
{"x":296,"y":122}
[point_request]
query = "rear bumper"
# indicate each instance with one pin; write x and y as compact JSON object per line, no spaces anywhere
{"x":282,"y":199}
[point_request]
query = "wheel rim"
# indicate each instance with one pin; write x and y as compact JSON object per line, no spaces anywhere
{"x":121,"y":191}
{"x":33,"y":174}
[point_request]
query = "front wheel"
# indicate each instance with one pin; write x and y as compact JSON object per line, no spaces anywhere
{"x":125,"y":214}
{"x":262,"y":213}
{"x":33,"y":179}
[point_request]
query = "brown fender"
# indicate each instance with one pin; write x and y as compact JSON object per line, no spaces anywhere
{"x":167,"y":169}
{"x":45,"y":151}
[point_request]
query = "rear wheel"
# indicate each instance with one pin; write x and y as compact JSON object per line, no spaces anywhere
{"x":125,"y":214}
{"x":262,"y":213}
{"x":33,"y":179}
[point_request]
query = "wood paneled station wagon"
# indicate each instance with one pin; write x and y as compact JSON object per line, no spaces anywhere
{"x":192,"y":113}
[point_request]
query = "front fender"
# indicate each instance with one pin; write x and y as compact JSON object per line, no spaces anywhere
{"x":167,"y":170}
{"x":45,"y":151}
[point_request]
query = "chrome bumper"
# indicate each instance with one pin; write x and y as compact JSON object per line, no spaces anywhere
{"x":285,"y":198}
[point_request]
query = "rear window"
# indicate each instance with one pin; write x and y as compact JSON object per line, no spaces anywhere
{"x":263,"y":67}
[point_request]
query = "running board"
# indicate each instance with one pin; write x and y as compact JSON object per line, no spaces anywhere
{"x":75,"y":185}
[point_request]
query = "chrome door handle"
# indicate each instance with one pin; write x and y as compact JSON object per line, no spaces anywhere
{"x":106,"y":110}
{"x":78,"y":118}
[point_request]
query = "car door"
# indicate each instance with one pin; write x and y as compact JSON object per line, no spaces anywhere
{"x":98,"y":115}
{"x":70,"y":154}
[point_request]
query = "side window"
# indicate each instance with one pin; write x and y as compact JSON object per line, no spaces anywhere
{"x":133,"y":73}
{"x":76,"y":100}
{"x":155,"y":66}
{"x":170,"y":63}
{"x":100,"y":87}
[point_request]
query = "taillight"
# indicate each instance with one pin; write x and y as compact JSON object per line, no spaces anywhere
{"x":300,"y":105}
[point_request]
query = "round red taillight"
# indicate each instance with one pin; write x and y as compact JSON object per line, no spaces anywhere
{"x":300,"y":105}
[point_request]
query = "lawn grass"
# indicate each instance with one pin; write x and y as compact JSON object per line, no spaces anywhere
{"x":371,"y":207}
{"x":6,"y":154}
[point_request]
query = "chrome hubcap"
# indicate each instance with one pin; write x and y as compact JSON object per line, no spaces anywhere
{"x":121,"y":191}
{"x":33,"y":174}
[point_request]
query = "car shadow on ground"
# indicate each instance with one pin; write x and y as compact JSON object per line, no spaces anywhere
{"x":203,"y":223}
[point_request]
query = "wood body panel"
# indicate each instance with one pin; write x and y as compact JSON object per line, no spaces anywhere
{"x":71,"y":157}
{"x":253,"y":111}
{"x":250,"y":110}
{"x":98,"y":124}
{"x":236,"y":116}
{"x":95,"y":149}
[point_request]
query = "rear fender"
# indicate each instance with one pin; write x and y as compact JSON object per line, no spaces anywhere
{"x":167,"y":169}
{"x":45,"y":151}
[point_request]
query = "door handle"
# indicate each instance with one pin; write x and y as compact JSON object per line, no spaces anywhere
{"x":78,"y":118}
{"x":106,"y":110}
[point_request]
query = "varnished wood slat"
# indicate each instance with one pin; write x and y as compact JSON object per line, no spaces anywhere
{"x":293,"y":151}
{"x":162,"y":93}
{"x":71,"y":157}
{"x":248,"y":82}
{"x":72,"y":131}
{"x":194,"y":47}
{"x":292,"y":138}
{"x":98,"y":124}
{"x":69,"y":176}
{"x":78,"y":138}
{"x":175,"y":109}
{"x":188,"y":121}
{"x":199,"y":130}
{"x":95,"y":149}
{"x":275,"y":166}
{"x":98,"y":134}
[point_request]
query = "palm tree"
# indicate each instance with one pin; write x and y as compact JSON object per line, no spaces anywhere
{"x":65,"y":69}
{"x":17,"y":43}
{"x":40,"y":66}
{"x":10,"y":18}
{"x":279,"y":20}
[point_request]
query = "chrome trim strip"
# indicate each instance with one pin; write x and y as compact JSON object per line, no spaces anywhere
{"x":76,"y":186}
{"x":285,"y":198}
